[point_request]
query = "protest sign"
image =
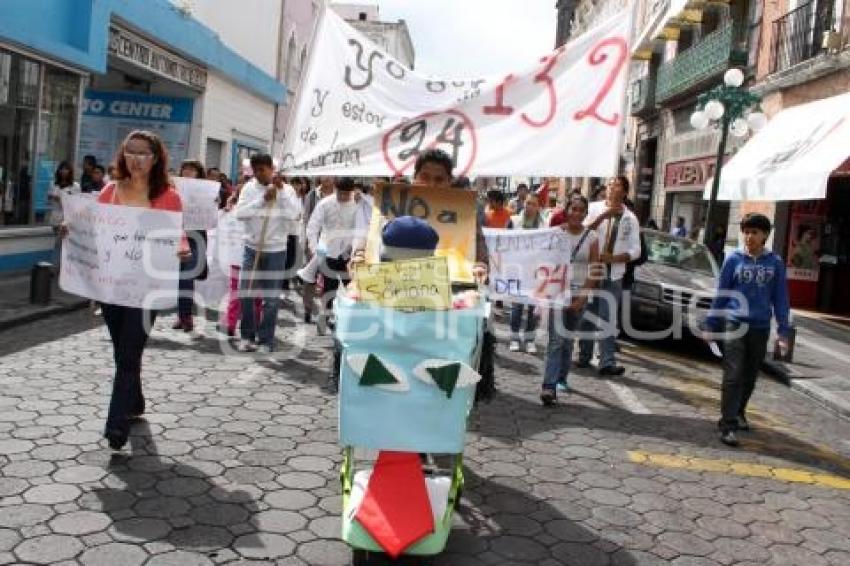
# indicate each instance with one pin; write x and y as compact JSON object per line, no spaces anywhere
{"x":415,"y":283}
{"x":229,"y":240}
{"x":120,"y":255}
{"x":451,"y":212}
{"x":361,"y":112}
{"x":530,"y":266}
{"x":214,"y":290}
{"x":200,"y":206}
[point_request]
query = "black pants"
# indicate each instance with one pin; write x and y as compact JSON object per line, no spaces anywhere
{"x":334,"y":270}
{"x":742,"y":359}
{"x":128,"y":328}
{"x":194,"y":268}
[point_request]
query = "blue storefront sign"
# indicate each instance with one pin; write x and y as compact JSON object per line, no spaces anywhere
{"x":109,"y":116}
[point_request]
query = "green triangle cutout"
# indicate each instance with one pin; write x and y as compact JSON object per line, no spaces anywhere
{"x":446,"y":377}
{"x":376,"y":373}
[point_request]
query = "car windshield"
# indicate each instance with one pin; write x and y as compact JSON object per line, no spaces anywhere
{"x":678,"y":252}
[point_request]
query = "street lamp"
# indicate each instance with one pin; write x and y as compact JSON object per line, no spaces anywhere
{"x":726,"y":106}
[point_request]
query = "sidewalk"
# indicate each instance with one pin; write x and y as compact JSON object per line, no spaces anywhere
{"x":821,"y":362}
{"x":15,"y":306}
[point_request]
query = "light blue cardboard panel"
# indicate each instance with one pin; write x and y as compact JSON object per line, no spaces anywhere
{"x":422,"y":419}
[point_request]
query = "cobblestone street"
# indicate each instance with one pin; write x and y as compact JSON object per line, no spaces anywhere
{"x":237,"y":460}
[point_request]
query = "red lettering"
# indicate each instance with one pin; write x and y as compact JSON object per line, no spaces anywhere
{"x":597,"y":57}
{"x":543,"y":77}
{"x":499,"y":109}
{"x":548,"y":277}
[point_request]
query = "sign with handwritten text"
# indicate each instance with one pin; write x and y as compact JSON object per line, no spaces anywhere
{"x":530,"y":266}
{"x":414,"y":283}
{"x":451,"y":212}
{"x":200,"y":206}
{"x":361,"y":112}
{"x":120,"y":255}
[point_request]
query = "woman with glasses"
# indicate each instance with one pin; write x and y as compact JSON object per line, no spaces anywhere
{"x":141,"y":180}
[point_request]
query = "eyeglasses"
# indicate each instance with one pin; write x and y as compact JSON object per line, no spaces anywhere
{"x":138,"y":156}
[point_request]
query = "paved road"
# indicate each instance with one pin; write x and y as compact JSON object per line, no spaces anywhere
{"x":237,"y":461}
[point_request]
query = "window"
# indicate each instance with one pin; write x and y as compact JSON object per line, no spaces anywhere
{"x":38,"y":103}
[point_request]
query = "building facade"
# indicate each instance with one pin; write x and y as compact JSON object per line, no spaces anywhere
{"x":392,"y":37}
{"x":804,"y":56}
{"x":75,"y":77}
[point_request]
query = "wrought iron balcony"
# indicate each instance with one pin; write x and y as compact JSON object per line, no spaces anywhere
{"x":798,"y":35}
{"x":643,"y":97}
{"x":701,"y":63}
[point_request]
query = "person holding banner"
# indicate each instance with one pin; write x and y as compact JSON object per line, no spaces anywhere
{"x":618,"y":231}
{"x":529,"y":219}
{"x":267,"y":212}
{"x":563,"y":322}
{"x":141,"y":180}
{"x":195,"y":268}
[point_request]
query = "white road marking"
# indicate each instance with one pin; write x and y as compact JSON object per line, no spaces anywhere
{"x":628,"y":398}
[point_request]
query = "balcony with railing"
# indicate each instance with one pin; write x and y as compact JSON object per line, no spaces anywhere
{"x":798,"y":35}
{"x":696,"y":66}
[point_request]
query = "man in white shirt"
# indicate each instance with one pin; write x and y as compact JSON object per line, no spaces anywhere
{"x":267,"y":212}
{"x":308,"y":272}
{"x":618,"y":231}
{"x":331,"y":232}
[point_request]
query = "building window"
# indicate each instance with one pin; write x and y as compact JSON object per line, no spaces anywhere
{"x":27,"y":170}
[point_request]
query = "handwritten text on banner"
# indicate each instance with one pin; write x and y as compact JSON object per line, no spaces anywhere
{"x":120,"y":255}
{"x":415,"y":283}
{"x":200,"y":207}
{"x":361,"y":112}
{"x":451,"y":212}
{"x":530,"y":266}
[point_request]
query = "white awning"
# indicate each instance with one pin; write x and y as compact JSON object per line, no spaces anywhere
{"x":793,"y":157}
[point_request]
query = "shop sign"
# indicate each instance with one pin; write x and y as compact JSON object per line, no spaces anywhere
{"x":133,"y":49}
{"x":690,"y":174}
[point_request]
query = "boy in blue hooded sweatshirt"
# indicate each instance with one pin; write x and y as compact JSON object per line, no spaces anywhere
{"x":752,"y":290}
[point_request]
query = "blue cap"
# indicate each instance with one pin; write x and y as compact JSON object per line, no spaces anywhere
{"x":408,"y":237}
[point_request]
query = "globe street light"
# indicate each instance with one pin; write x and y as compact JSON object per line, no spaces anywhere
{"x":726,"y":106}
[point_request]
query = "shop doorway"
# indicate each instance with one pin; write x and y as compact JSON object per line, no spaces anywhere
{"x":834,"y":256}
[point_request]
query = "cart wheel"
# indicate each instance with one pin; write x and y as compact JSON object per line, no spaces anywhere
{"x":359,"y":557}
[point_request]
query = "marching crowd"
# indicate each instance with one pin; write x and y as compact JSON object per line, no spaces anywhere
{"x":301,"y":236}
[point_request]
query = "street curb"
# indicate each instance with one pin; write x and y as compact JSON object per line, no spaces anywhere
{"x":42,"y":314}
{"x":822,"y":396}
{"x":807,"y":387}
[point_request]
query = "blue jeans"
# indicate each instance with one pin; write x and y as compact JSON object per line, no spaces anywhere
{"x":266,"y":283}
{"x":517,"y":309}
{"x":611,"y":294}
{"x":559,"y":351}
{"x":128,"y":329}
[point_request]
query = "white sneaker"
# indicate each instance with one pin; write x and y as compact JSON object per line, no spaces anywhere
{"x":247,"y":346}
{"x":514,"y":346}
{"x":531,"y":347}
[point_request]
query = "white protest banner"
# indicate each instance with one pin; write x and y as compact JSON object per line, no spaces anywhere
{"x":200,"y":209}
{"x":120,"y":255}
{"x":361,"y":112}
{"x":215,"y":288}
{"x":228,"y":243}
{"x":530,"y":266}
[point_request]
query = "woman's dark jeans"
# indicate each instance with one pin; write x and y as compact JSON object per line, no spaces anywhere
{"x":129,"y":329}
